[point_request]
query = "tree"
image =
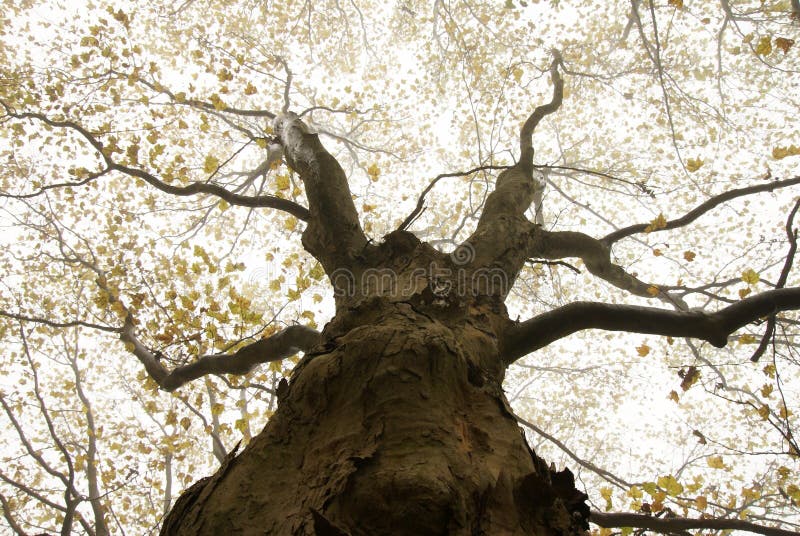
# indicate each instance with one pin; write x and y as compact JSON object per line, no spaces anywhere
{"x":154,"y":153}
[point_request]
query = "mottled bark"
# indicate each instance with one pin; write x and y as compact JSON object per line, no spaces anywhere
{"x":396,"y":425}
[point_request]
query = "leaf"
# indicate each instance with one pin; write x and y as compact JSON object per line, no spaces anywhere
{"x":779,"y":153}
{"x":747,"y":338}
{"x":605,"y":492}
{"x":643,"y":350}
{"x":659,"y":223}
{"x":689,"y":256}
{"x":784,"y":44}
{"x":653,"y":290}
{"x":701,"y":502}
{"x":373,"y":171}
{"x":750,"y":276}
{"x":677,"y":4}
{"x":764,"y":46}
{"x":674,"y":396}
{"x":689,"y":377}
{"x":693,"y":164}
{"x":282,"y":182}
{"x":743,"y":292}
{"x":715,"y":462}
{"x":670,"y":485}
{"x":211,"y":164}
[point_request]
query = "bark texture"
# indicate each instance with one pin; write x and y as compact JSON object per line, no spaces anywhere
{"x":396,"y":424}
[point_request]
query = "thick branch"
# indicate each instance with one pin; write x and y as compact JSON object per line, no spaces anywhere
{"x":671,"y":525}
{"x":283,"y":344}
{"x":701,"y":209}
{"x":714,"y":328}
{"x":334,"y":234}
{"x":596,"y":257}
{"x":526,"y":133}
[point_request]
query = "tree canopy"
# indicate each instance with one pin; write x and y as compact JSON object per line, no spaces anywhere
{"x":152,"y":212}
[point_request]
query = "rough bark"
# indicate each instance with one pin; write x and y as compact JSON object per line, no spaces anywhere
{"x":396,"y":424}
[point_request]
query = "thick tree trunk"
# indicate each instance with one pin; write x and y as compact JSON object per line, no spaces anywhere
{"x":397,"y":425}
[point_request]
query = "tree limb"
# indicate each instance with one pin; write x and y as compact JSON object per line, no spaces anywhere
{"x":526,"y":133}
{"x":267,"y":201}
{"x":541,"y":330}
{"x":334,"y":234}
{"x":700,"y":210}
{"x":281,"y":345}
{"x":675,"y":524}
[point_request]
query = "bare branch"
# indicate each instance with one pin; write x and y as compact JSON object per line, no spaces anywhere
{"x":791,"y":235}
{"x":526,"y":133}
{"x":420,"y":201}
{"x":281,"y":345}
{"x":54,"y":324}
{"x":701,"y":209}
{"x":267,"y":201}
{"x":670,"y":525}
{"x":541,"y":330}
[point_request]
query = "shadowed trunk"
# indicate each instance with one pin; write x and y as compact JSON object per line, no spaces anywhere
{"x":397,"y":425}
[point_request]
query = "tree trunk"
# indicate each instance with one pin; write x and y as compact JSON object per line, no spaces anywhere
{"x":396,"y":425}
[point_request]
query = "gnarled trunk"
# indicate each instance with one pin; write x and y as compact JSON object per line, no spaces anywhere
{"x":398,"y":425}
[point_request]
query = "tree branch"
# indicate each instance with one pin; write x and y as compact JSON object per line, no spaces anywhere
{"x":334,"y":234}
{"x":281,"y":345}
{"x":700,"y":210}
{"x":676,"y":524}
{"x":791,"y":235}
{"x":541,"y":330}
{"x":266,"y":201}
{"x":54,"y":324}
{"x":526,"y":133}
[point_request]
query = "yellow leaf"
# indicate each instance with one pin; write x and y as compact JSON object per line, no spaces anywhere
{"x":766,"y":390}
{"x":653,"y":290}
{"x":677,"y":4}
{"x":643,"y":350}
{"x":763,"y":412}
{"x":750,"y":276}
{"x":715,"y":462}
{"x":670,"y":485}
{"x":783,"y":152}
{"x":217,"y":409}
{"x":282,"y":182}
{"x":674,"y":396}
{"x":689,"y":255}
{"x":693,"y":164}
{"x":747,"y":338}
{"x":211,"y":164}
{"x":261,"y":142}
{"x":657,"y":252}
{"x":701,"y":502}
{"x":290,"y":223}
{"x":605,"y":492}
{"x":250,"y":89}
{"x":764,"y":46}
{"x":373,"y":171}
{"x":659,"y":223}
